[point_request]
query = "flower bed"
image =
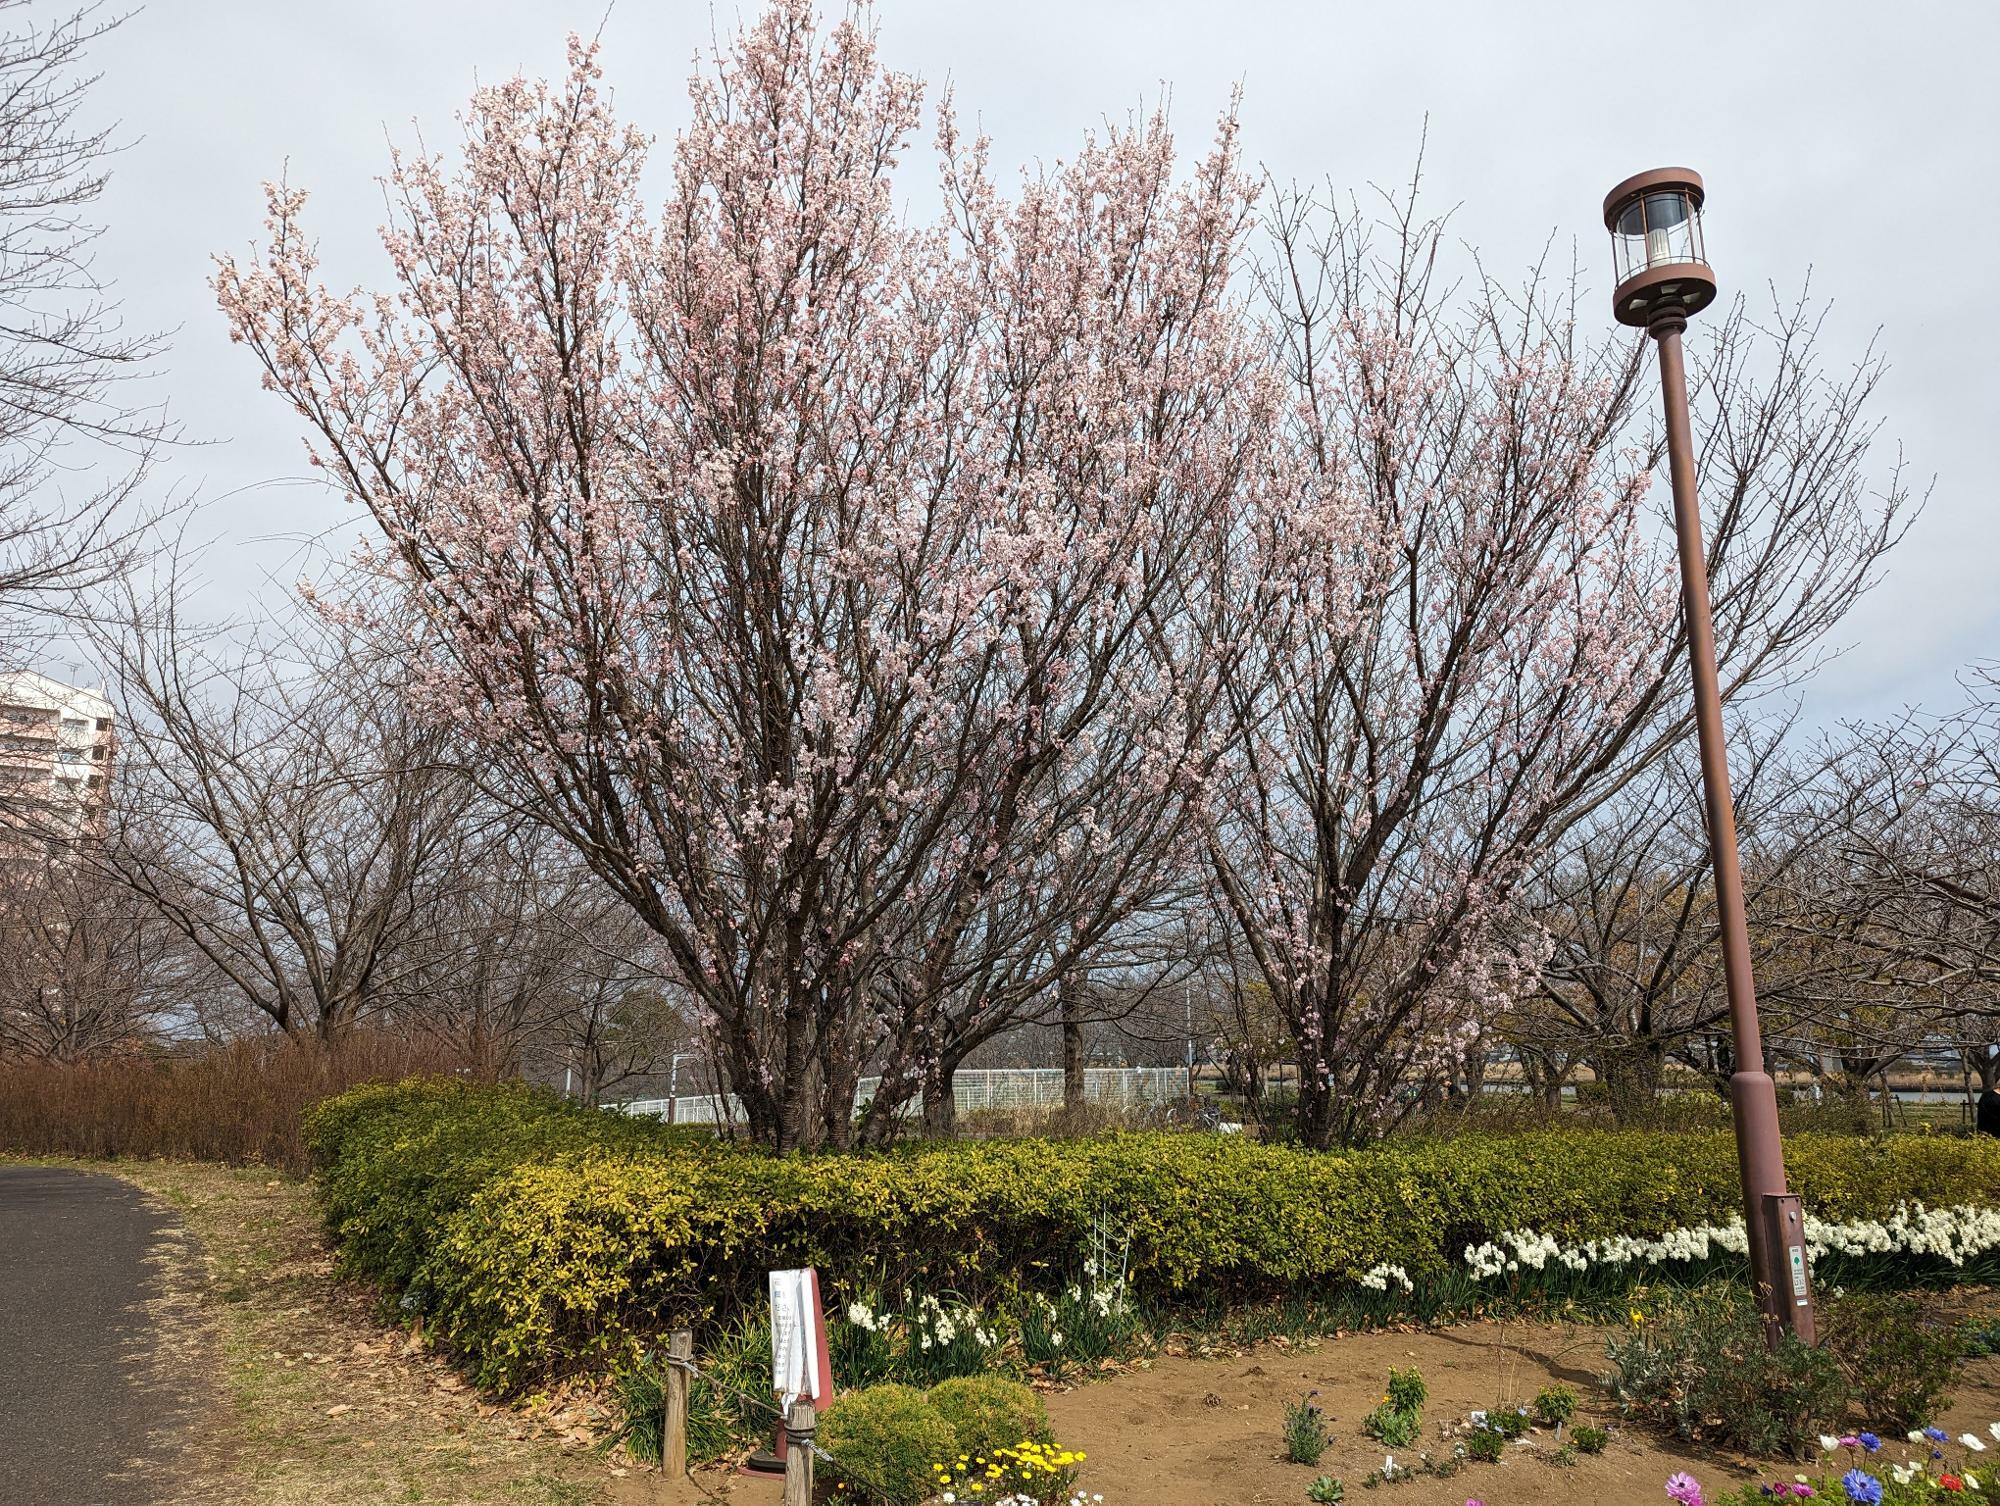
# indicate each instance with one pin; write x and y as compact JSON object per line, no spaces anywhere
{"x":1861,"y":1470}
{"x":537,"y":1236}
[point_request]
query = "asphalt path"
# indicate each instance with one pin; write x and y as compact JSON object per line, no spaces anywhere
{"x":84,"y":1421}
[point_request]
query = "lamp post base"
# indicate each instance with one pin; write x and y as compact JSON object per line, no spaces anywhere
{"x":1773,"y":1221}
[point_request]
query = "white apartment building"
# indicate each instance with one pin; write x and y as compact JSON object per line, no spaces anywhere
{"x":57,"y":747}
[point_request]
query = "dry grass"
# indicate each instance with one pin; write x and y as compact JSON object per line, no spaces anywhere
{"x":237,"y":1104}
{"x":320,"y":1401}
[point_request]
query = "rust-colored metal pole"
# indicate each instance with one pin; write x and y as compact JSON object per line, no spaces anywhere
{"x":1777,"y":1257}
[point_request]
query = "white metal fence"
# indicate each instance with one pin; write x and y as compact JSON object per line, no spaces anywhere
{"x":704,"y":1108}
{"x":973,"y":1088}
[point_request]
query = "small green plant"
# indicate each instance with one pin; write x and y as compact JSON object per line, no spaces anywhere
{"x":1326,"y":1491}
{"x":1305,"y":1430}
{"x":1589,"y":1438}
{"x":1564,"y":1456}
{"x":1445,"y":1466}
{"x":1509,"y":1422}
{"x":1555,"y":1405}
{"x":1702,"y":1367}
{"x":1398,"y":1420}
{"x":1899,"y":1360}
{"x":1407,"y":1391}
{"x":1391,"y":1473}
{"x":1486,"y":1445}
{"x":1981,"y":1337}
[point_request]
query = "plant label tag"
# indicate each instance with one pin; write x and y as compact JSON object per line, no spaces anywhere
{"x":790,"y":1328}
{"x":1798,"y":1255}
{"x":798,"y":1338}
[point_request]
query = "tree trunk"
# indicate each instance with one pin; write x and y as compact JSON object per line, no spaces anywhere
{"x":837,"y":1108}
{"x":1475,"y":1076}
{"x":1631,"y":1077}
{"x":940,"y":1103}
{"x":794,"y":1102}
{"x":1314,"y":1117}
{"x":1069,"y":996}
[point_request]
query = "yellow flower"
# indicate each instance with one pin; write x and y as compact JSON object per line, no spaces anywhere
{"x":1636,"y":1315}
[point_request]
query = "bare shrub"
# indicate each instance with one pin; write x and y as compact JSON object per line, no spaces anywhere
{"x":239,"y":1103}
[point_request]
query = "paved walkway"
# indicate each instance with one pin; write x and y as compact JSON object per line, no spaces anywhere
{"x":80,"y":1422}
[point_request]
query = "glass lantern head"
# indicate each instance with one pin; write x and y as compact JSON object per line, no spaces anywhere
{"x":1658,"y":256}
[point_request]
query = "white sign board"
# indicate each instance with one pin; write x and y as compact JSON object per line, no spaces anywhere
{"x":794,"y":1337}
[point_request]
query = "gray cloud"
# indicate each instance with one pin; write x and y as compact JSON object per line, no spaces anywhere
{"x":1855,"y":139}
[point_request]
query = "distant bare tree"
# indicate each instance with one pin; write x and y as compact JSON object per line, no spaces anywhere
{"x":64,"y":357}
{"x":1628,"y":904}
{"x":1920,"y":809}
{"x":527,"y":963}
{"x":86,"y":968}
{"x":1894,"y":931}
{"x":284,"y":809}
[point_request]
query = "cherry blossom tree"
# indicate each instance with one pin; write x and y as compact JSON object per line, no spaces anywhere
{"x":811,"y":573}
{"x":1126,"y":410}
{"x":1462,"y":633}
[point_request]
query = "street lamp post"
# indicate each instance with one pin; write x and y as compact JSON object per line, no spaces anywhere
{"x":1661,"y":264}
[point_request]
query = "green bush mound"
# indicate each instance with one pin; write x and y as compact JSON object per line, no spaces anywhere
{"x":888,"y":1441}
{"x":974,"y":1436}
{"x":537,"y":1236}
{"x":989,"y":1412}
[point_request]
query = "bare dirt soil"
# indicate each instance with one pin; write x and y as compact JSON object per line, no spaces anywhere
{"x":1208,"y":1432}
{"x":1184,"y":1431}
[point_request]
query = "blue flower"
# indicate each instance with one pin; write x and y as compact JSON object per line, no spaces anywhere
{"x":1936,"y":1435}
{"x":1870,"y":1442}
{"x":1862,"y":1488}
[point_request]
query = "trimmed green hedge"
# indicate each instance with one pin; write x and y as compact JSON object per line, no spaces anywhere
{"x":537,"y":1235}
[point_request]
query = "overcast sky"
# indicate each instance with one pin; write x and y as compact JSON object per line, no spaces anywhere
{"x":1857,"y":140}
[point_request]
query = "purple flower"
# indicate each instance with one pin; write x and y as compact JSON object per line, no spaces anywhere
{"x":1684,"y":1488}
{"x":1862,"y":1488}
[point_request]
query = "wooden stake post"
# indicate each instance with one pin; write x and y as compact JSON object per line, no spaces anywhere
{"x":674,"y":1425}
{"x":799,"y":1425}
